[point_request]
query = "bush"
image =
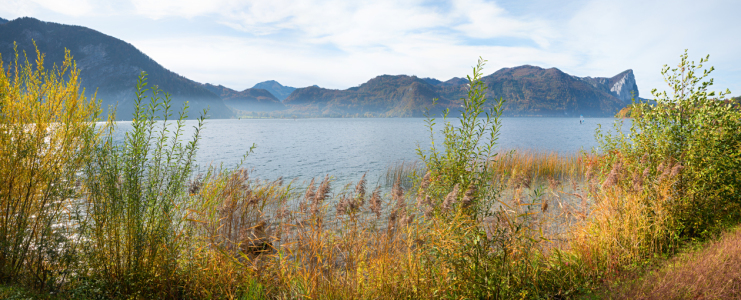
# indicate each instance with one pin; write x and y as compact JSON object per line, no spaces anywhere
{"x":47,"y":131}
{"x":691,"y":137}
{"x":136,"y":200}
{"x":464,"y":163}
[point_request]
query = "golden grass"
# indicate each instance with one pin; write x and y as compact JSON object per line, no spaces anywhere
{"x":712,"y":272}
{"x":536,"y":165}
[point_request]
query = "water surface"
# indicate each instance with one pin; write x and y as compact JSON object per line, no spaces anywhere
{"x":347,"y":148}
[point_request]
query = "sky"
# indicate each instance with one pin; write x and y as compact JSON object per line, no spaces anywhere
{"x":340,"y":44}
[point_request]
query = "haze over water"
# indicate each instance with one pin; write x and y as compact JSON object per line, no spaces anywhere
{"x":347,"y":148}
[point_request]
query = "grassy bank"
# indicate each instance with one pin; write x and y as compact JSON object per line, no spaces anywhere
{"x":86,"y":218}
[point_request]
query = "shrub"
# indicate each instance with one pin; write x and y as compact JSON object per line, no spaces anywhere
{"x":463,"y":164}
{"x":693,"y":135}
{"x":136,"y":200}
{"x":47,"y":131}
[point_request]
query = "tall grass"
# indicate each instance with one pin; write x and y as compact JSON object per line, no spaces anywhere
{"x":540,"y":166}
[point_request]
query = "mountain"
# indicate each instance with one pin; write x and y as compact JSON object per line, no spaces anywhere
{"x":3,"y":21}
{"x":248,"y":100}
{"x":278,"y":90}
{"x":528,"y":91}
{"x":386,"y":95}
{"x":534,"y":91}
{"x":107,"y":64}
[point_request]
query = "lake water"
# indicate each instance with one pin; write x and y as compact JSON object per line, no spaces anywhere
{"x":348,"y":148}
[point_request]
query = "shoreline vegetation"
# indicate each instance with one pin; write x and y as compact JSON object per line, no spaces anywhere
{"x":82,"y":217}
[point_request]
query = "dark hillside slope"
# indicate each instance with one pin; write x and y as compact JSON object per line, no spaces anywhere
{"x":107,"y":64}
{"x":528,"y":91}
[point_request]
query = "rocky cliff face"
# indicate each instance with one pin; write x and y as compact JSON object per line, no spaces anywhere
{"x":623,"y":85}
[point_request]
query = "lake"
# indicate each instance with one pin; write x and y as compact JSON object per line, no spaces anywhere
{"x":347,"y":148}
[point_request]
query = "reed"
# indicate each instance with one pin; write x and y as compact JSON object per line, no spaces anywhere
{"x":406,"y":172}
{"x":540,"y":166}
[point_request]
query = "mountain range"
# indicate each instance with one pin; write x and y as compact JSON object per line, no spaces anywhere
{"x":110,"y":66}
{"x":527,"y":90}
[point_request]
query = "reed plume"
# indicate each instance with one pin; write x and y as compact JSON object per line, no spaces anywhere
{"x":375,"y":202}
{"x":423,"y":188}
{"x":676,"y":170}
{"x":614,"y":176}
{"x":468,"y":197}
{"x":451,"y":198}
{"x":637,"y":182}
{"x":360,"y":192}
{"x":308,"y":197}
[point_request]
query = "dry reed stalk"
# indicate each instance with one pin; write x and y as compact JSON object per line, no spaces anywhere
{"x":360,"y":192}
{"x":614,"y":176}
{"x":540,"y":165}
{"x":375,"y":202}
{"x":423,"y":188}
{"x":321,"y":193}
{"x":308,"y":197}
{"x":623,"y":226}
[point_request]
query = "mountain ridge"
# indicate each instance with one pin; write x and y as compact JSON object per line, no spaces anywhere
{"x":107,"y":65}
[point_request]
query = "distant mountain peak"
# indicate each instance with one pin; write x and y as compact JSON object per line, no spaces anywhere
{"x":3,"y":21}
{"x":278,"y":90}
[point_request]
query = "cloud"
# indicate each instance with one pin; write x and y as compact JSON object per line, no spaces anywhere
{"x":610,"y":36}
{"x":348,"y":42}
{"x":240,"y":63}
{"x":19,"y":8}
